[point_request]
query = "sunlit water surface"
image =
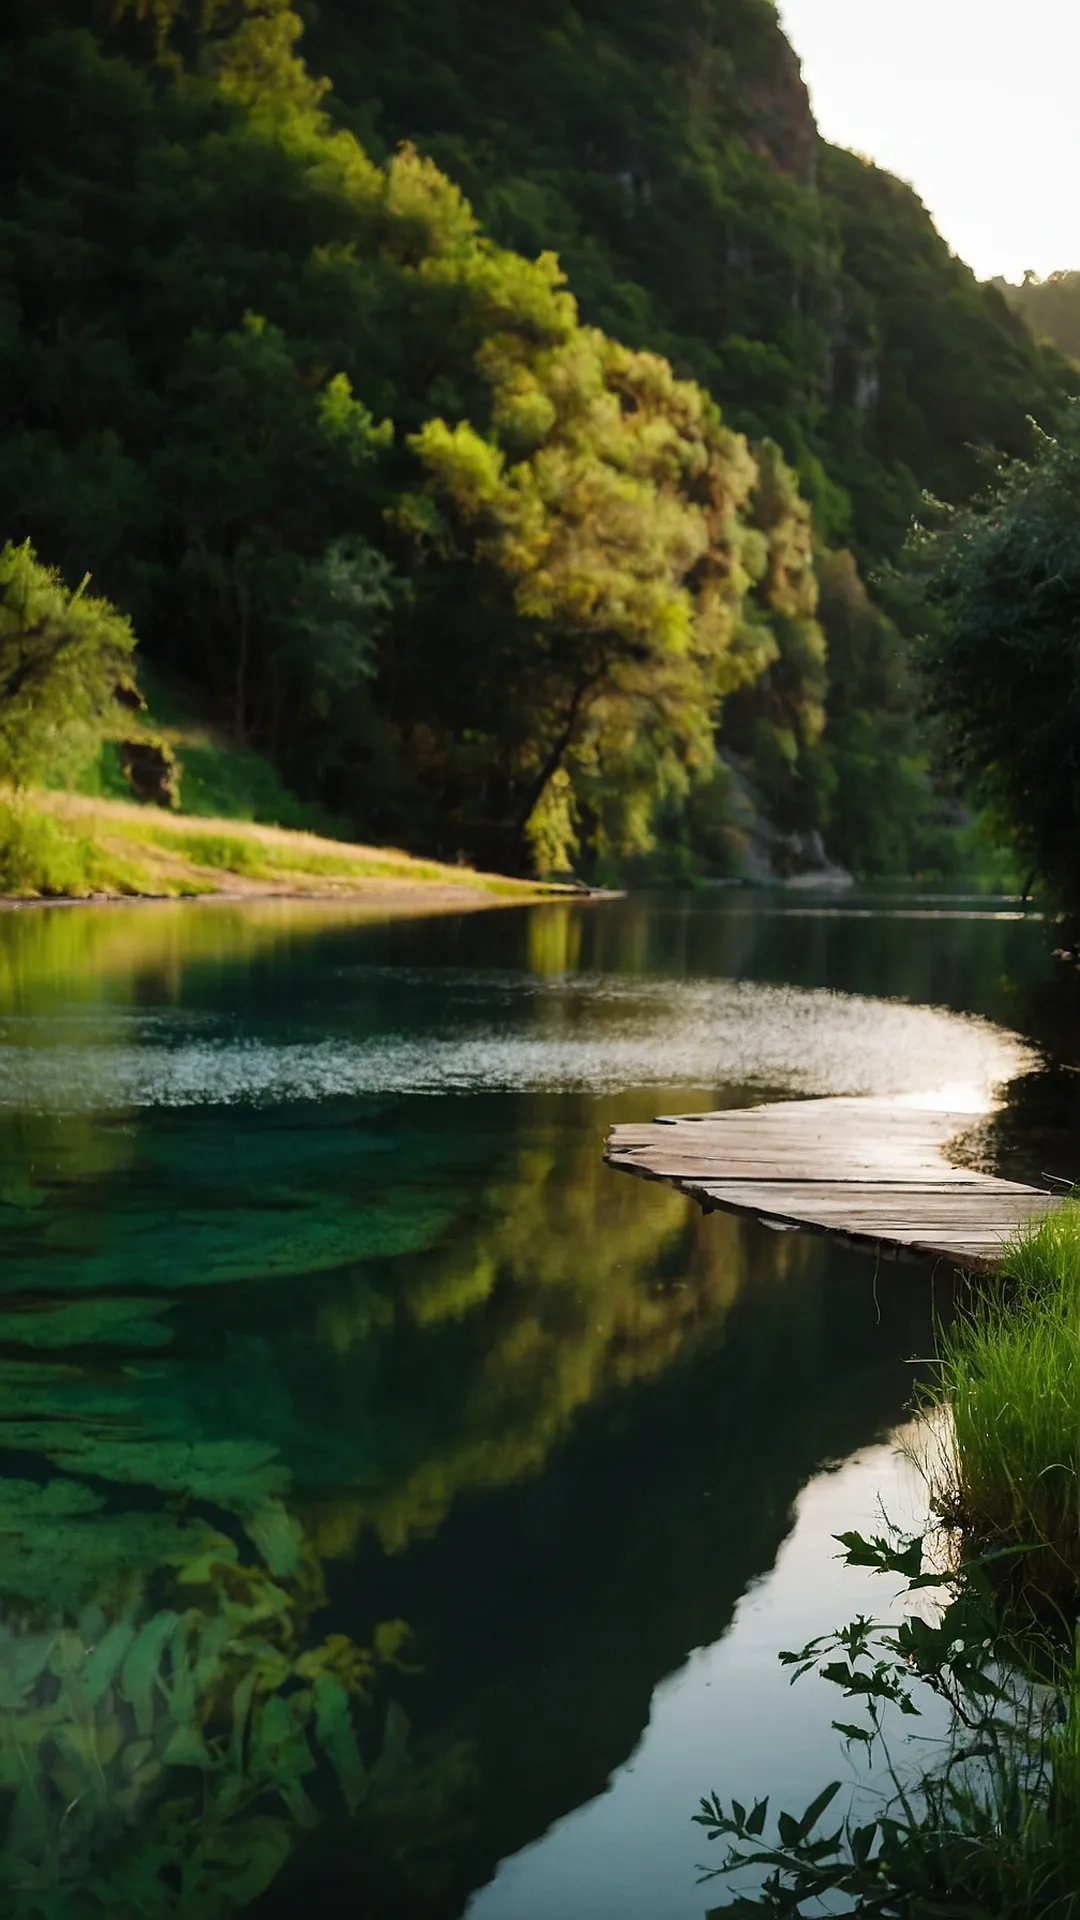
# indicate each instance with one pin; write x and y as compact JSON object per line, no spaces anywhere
{"x":401,"y":1512}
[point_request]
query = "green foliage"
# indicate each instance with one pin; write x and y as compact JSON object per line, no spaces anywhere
{"x":160,"y":1759}
{"x":1000,"y":586}
{"x":236,"y":783}
{"x":506,"y":625}
{"x":931,"y":366}
{"x":63,"y":657}
{"x":1051,"y":308}
{"x":670,"y":156}
{"x":988,"y":1826}
{"x":646,"y":596}
{"x":882,"y":815}
{"x":1009,"y":1370}
{"x":216,"y":776}
{"x":412,"y":525}
{"x":38,"y":856}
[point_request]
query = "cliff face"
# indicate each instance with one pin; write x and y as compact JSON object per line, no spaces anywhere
{"x":782,"y":125}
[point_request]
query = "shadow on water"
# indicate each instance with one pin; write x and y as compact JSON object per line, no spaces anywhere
{"x":369,"y":1458}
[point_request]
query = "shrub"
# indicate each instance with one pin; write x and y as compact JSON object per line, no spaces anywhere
{"x":63,"y":657}
{"x":39,"y":856}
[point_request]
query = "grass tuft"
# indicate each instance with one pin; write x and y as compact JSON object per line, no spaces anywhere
{"x":1009,"y":1369}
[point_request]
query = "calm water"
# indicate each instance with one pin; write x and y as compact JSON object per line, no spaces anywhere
{"x":400,"y":1513}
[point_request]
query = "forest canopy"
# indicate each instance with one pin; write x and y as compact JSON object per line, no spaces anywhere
{"x":500,"y":528}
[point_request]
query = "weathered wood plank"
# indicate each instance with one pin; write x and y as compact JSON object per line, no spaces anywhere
{"x":872,"y":1172}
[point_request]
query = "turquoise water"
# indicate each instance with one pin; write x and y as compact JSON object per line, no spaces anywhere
{"x":400,"y":1512}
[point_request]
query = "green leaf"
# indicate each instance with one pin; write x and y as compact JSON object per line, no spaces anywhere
{"x":105,"y":1660}
{"x":186,"y":1747}
{"x":278,"y":1537}
{"x":336,"y":1736}
{"x":140,"y":1671}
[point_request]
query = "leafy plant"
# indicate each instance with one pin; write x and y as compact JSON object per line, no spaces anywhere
{"x":161,"y":1761}
{"x":989,"y":1828}
{"x":63,"y":657}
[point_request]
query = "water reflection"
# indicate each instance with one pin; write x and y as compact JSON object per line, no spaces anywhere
{"x":369,"y":1459}
{"x":585,"y":1034}
{"x":727,"y":1721}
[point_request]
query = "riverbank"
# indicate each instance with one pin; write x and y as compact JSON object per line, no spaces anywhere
{"x":68,"y":847}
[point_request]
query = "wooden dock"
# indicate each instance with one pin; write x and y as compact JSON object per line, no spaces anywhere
{"x":874,"y":1173}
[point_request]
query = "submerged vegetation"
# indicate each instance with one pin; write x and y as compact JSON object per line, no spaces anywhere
{"x":161,"y":1757}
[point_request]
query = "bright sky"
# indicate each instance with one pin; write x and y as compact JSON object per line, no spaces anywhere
{"x":972,"y":101}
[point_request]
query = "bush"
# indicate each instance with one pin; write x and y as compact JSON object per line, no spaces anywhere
{"x":63,"y":657}
{"x":38,"y":856}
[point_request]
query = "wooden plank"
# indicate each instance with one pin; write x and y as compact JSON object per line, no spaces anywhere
{"x":872,"y":1172}
{"x":773,"y":1171}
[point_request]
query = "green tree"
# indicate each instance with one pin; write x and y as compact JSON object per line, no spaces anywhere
{"x":376,"y":487}
{"x":63,"y":658}
{"x":618,"y":527}
{"x":1000,"y":585}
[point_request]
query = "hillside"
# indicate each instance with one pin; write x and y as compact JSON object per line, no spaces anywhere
{"x":1051,"y":308}
{"x":508,"y":489}
{"x":670,"y":156}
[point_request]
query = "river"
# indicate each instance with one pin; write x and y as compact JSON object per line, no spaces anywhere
{"x":401,"y":1512}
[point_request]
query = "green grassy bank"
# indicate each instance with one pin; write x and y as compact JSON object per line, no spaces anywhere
{"x":1008,"y":1373}
{"x":56,"y":845}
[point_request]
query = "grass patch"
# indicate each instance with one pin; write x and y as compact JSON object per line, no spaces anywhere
{"x":1009,"y":1370}
{"x":41,"y":858}
{"x":262,"y":859}
{"x":66,"y":848}
{"x":233,"y":783}
{"x":218,"y":778}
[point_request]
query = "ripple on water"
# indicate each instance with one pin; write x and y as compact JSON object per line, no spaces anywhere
{"x":590,"y":1035}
